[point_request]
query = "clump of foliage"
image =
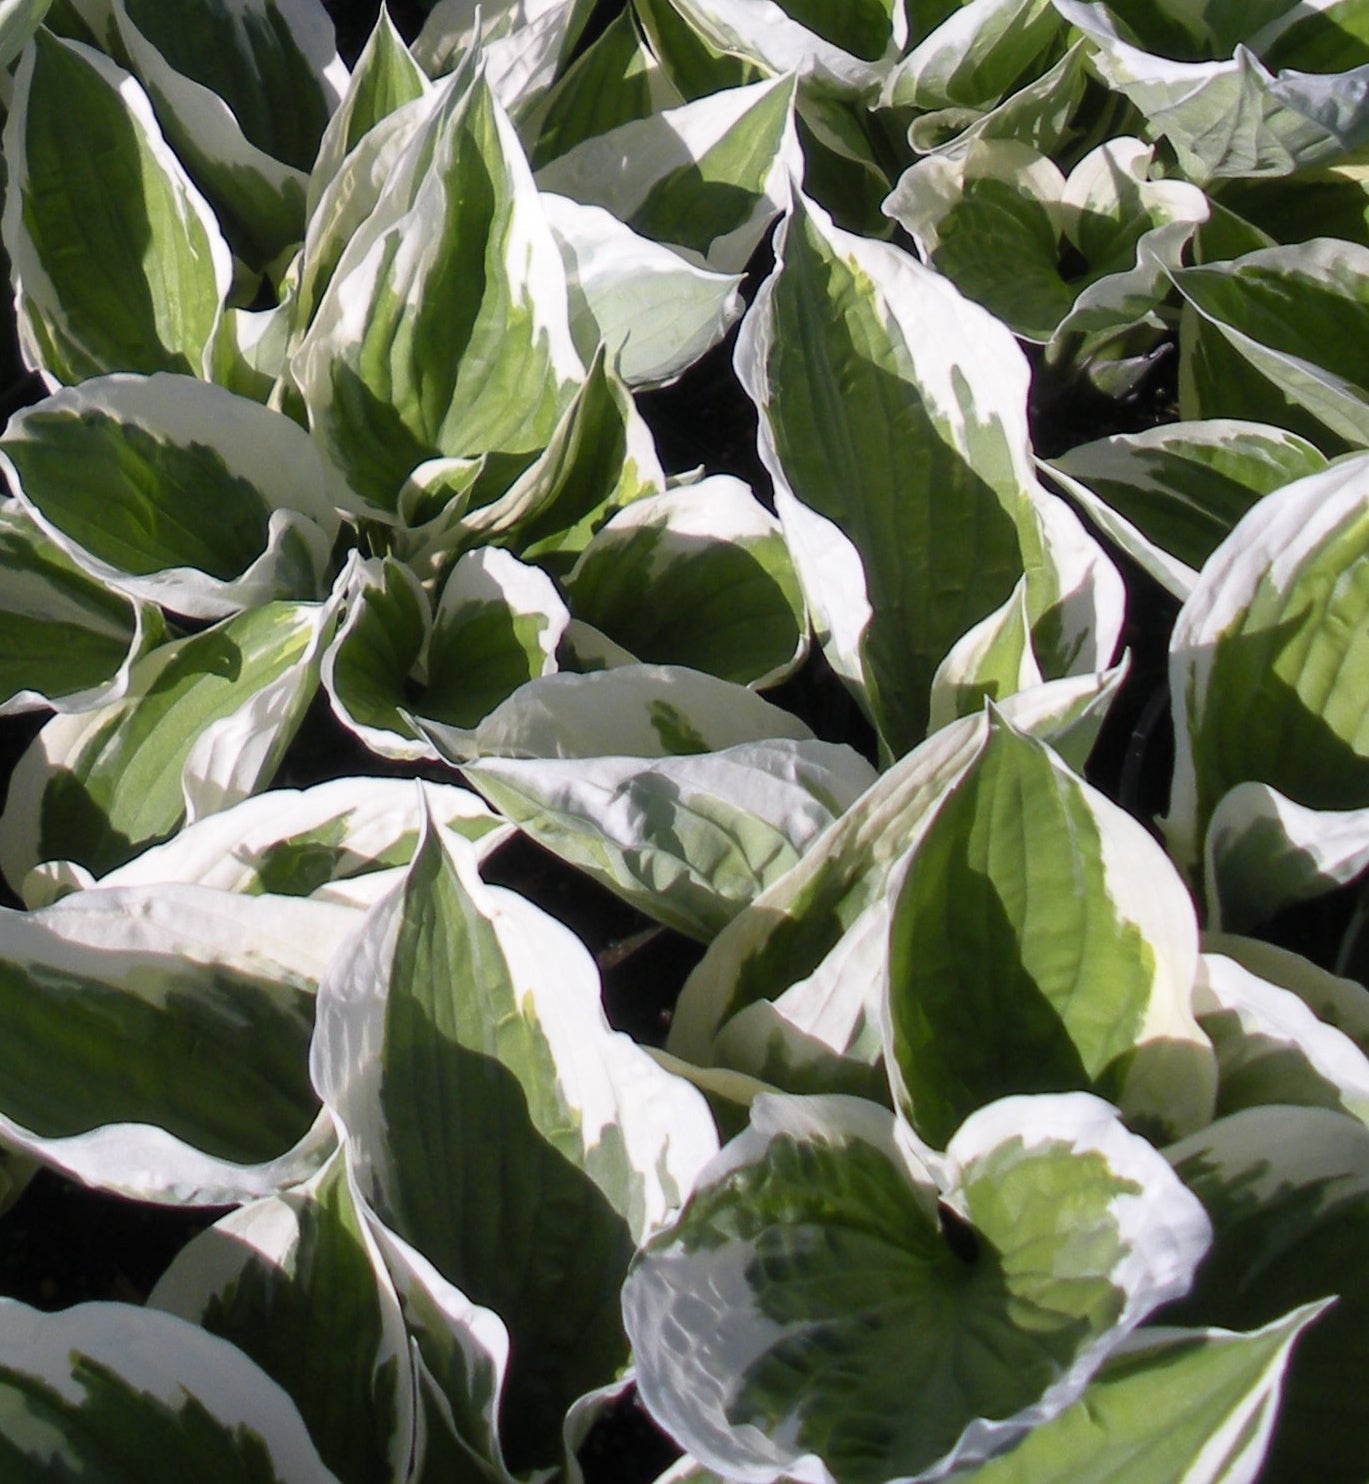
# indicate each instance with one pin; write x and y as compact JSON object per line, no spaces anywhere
{"x":994,"y":1136}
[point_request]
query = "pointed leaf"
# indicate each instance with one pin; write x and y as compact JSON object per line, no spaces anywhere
{"x":445,"y":329}
{"x":708,"y":177}
{"x":893,"y":420}
{"x":384,"y":79}
{"x":483,"y":1019}
{"x":83,"y":227}
{"x":654,"y":310}
{"x":1177,"y":491}
{"x":1176,"y":1406}
{"x":1040,"y":941}
{"x":297,"y":1283}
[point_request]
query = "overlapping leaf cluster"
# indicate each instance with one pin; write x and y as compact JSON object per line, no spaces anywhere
{"x":992,"y":1137}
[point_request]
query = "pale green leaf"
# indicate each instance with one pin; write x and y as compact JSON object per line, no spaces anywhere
{"x":689,"y":841}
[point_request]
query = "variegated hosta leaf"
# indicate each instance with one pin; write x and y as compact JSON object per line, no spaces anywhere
{"x":445,"y":329}
{"x":1269,"y":658}
{"x":156,"y":1039}
{"x":1271,"y":1048}
{"x":114,"y":1391}
{"x":1232,"y":116}
{"x":600,"y":456}
{"x":615,"y":80}
{"x":203,"y":724}
{"x":1168,"y":496}
{"x":1040,"y":941}
{"x":1263,"y":852}
{"x":460,"y":1356}
{"x":630,"y":711}
{"x":708,"y":177}
{"x":496,"y":626}
{"x":796,"y":977}
{"x":698,"y":576}
{"x":687,"y":840}
{"x":654,"y":310}
{"x":347,"y":200}
{"x":1170,"y":1406}
{"x":893,"y":420}
{"x":384,"y":79}
{"x":381,"y":641}
{"x":176,"y":492}
{"x":297,"y":1283}
{"x":977,"y":54}
{"x":997,"y":218}
{"x":1333,"y":999}
{"x":244,"y":92}
{"x":19,"y":19}
{"x":301,"y":842}
{"x":1287,"y":1190}
{"x":66,"y":640}
{"x":846,"y":50}
{"x":525,"y":43}
{"x":1297,"y":316}
{"x":396,"y":664}
{"x":695,"y":66}
{"x":499,"y":1126}
{"x":1043,"y":112}
{"x":836,"y":1301}
{"x":118,"y":262}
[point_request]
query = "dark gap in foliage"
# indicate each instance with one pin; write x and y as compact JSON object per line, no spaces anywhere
{"x":65,"y":1244}
{"x":625,"y":1446}
{"x":1133,"y":757}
